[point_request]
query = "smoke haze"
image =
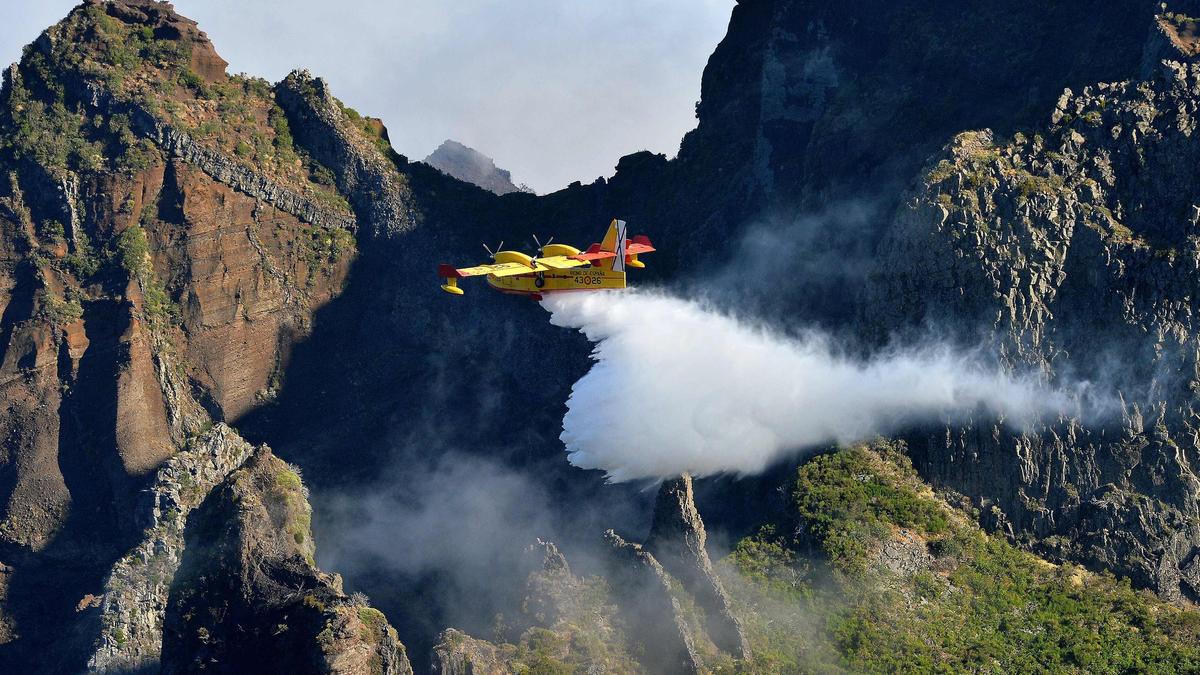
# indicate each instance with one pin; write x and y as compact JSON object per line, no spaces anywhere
{"x":678,"y":386}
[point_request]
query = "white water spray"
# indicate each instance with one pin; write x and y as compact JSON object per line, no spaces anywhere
{"x":678,"y":386}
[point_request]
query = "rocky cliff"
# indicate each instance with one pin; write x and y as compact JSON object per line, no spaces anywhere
{"x":248,"y":596}
{"x":1074,"y":244}
{"x":165,"y":244}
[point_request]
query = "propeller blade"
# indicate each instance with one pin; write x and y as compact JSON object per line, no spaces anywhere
{"x":491,"y":252}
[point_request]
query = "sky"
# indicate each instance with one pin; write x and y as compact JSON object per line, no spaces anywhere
{"x":554,"y":90}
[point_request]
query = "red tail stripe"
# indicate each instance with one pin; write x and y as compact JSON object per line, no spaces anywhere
{"x":448,"y":271}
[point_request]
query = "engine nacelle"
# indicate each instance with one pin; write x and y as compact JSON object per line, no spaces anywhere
{"x":551,"y":250}
{"x":514,"y":257}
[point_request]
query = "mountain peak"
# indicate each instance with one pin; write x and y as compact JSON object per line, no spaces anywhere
{"x":469,"y":165}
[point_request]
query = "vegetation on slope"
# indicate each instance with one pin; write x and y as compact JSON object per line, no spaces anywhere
{"x":881,"y":575}
{"x":59,"y":129}
{"x":51,"y":126}
{"x":55,"y":127}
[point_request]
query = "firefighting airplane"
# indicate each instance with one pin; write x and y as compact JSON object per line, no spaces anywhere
{"x":557,"y":267}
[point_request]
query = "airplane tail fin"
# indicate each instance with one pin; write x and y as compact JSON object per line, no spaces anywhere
{"x":615,"y":240}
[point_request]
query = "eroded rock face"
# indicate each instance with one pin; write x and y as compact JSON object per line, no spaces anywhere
{"x":141,"y":298}
{"x":655,"y":617}
{"x":133,"y":607}
{"x":160,"y":17}
{"x":1076,"y":247}
{"x":457,"y":653}
{"x":1173,"y":37}
{"x":249,"y":287}
{"x":380,"y":196}
{"x":677,"y":540}
{"x":248,"y":598}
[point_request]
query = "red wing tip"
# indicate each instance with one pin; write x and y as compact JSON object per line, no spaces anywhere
{"x":448,"y":271}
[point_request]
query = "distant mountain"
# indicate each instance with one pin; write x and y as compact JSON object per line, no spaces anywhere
{"x":470,"y":165}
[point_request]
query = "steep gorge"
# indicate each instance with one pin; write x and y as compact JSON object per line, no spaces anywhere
{"x":182,"y":249}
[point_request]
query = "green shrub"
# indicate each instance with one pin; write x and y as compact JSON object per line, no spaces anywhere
{"x":133,"y":252}
{"x":133,"y":247}
{"x":767,"y":560}
{"x":847,"y":504}
{"x":310,"y":601}
{"x":355,"y":117}
{"x":320,"y":174}
{"x":983,"y":606}
{"x":188,"y":78}
{"x":1029,"y":184}
{"x":83,"y":261}
{"x":539,"y":654}
{"x":53,"y":231}
{"x":284,"y":144}
{"x":61,"y":312}
{"x":286,"y":479}
{"x":374,"y":624}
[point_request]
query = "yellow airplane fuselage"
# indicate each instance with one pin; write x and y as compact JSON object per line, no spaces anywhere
{"x":558,"y":280}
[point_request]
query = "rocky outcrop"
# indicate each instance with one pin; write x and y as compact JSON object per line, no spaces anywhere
{"x":378,"y":193}
{"x":566,"y":622}
{"x":469,"y":165}
{"x":133,"y":605}
{"x":220,"y":167}
{"x":646,"y":594}
{"x":260,"y":555}
{"x":248,"y":597}
{"x":245,"y":179}
{"x":457,"y":653}
{"x":784,"y":122}
{"x":677,"y":540}
{"x":1076,"y":247}
{"x":162,"y":19}
{"x":1174,"y":36}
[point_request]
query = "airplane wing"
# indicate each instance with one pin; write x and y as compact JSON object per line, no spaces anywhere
{"x":497,"y":269}
{"x":561,"y":262}
{"x":509,"y":269}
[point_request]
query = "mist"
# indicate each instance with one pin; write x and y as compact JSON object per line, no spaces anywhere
{"x":440,"y":539}
{"x":678,"y":386}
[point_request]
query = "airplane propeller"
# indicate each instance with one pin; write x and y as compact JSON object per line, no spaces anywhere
{"x":540,"y":245}
{"x":492,"y":253}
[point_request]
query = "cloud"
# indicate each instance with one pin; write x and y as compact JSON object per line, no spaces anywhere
{"x":678,"y":386}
